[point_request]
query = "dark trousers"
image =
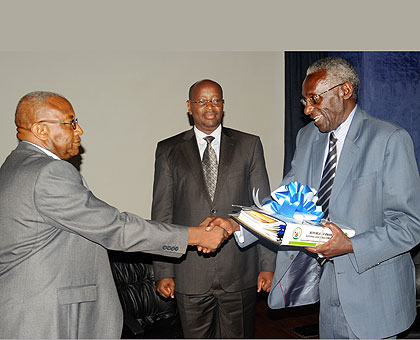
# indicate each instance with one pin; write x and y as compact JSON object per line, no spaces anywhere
{"x":218,"y":314}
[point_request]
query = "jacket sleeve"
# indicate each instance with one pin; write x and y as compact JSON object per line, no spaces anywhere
{"x":400,"y":230}
{"x":259,"y":179}
{"x":65,"y":203}
{"x":162,"y":205}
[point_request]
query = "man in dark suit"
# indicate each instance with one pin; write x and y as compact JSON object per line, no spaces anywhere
{"x":55,"y":277}
{"x":216,"y":295}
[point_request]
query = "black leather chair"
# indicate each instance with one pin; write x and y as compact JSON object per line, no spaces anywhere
{"x":146,"y":314}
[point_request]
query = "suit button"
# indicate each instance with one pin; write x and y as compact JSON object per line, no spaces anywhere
{"x":164,"y":247}
{"x":292,"y":257}
{"x":213,"y":211}
{"x":176,"y":248}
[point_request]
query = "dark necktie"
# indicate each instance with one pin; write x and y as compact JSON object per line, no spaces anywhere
{"x":328,"y":176}
{"x":210,"y":167}
{"x":327,"y":181}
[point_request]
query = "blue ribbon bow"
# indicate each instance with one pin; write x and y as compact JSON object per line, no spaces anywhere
{"x":295,"y":201}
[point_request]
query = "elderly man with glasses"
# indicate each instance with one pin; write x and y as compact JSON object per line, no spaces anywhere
{"x":55,"y":276}
{"x":367,"y":178}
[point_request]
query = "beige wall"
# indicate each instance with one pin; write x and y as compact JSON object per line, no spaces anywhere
{"x":127,"y":102}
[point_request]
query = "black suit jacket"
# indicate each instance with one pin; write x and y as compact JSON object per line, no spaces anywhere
{"x":180,"y":196}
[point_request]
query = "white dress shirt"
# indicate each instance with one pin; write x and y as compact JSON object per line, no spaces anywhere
{"x":340,"y":133}
{"x":215,"y":144}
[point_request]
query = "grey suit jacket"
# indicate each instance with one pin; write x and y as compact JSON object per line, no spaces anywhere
{"x":180,"y":196}
{"x":376,"y":192}
{"x":55,"y":277}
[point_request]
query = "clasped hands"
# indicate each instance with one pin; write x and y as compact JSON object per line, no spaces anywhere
{"x":212,"y":232}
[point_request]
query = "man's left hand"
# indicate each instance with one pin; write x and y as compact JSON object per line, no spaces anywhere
{"x":339,"y":243}
{"x":264,"y":281}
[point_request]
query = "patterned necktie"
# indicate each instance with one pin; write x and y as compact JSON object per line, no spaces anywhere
{"x":328,"y":176}
{"x":210,"y":166}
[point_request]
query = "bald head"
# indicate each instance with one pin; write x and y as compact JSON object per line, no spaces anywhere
{"x":28,"y":108}
{"x":201,"y":83}
{"x":47,"y":119}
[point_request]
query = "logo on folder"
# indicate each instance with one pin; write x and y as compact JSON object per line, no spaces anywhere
{"x":297,"y":233}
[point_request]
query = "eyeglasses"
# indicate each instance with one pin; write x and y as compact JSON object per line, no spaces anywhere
{"x":213,"y":102}
{"x":73,"y":123}
{"x":316,"y":99}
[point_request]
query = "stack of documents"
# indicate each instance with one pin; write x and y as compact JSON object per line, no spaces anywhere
{"x":289,"y":217}
{"x":267,"y":226}
{"x":284,"y":230}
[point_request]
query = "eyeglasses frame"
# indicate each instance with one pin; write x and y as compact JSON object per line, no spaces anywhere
{"x":204,"y":103}
{"x":73,"y":123}
{"x":313,"y":99}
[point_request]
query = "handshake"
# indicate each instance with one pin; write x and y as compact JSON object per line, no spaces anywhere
{"x":211,"y":233}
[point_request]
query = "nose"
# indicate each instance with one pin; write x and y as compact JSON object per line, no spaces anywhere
{"x":308,"y":108}
{"x":209,"y":106}
{"x":78,"y":130}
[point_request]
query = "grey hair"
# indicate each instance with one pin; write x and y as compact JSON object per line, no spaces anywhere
{"x":28,"y":104}
{"x":38,"y":97}
{"x":338,"y":69}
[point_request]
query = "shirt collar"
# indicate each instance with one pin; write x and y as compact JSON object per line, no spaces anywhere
{"x":341,"y":132}
{"x":48,"y":152}
{"x":216,"y":134}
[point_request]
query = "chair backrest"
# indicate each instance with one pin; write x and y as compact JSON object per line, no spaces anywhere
{"x":134,"y":279}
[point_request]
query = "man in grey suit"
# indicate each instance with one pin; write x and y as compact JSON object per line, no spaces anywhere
{"x":215,"y":294}
{"x":55,"y":276}
{"x":367,"y":288}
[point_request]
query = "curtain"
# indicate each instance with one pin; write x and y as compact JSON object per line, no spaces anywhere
{"x":296,"y":64}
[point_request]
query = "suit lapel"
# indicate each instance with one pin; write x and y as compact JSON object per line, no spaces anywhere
{"x":227,"y":148}
{"x":318,"y":152}
{"x":348,"y":155}
{"x":192,"y":155}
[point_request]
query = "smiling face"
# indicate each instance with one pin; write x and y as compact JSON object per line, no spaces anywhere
{"x":207,"y":118}
{"x":334,"y":106}
{"x":60,"y":139}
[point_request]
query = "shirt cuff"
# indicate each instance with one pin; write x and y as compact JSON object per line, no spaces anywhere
{"x":240,"y":235}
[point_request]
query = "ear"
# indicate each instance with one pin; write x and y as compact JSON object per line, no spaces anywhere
{"x":347,"y":89}
{"x":40,"y":131}
{"x":189,"y":107}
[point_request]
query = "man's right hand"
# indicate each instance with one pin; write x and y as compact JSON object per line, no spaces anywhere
{"x":166,"y":287}
{"x":207,"y":241}
{"x":226,"y":223}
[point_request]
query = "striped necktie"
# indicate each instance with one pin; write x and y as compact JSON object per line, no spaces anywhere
{"x":328,"y":176}
{"x":210,"y":166}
